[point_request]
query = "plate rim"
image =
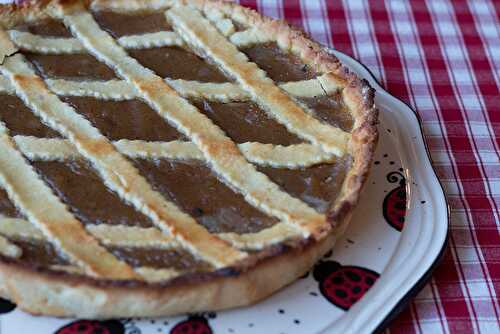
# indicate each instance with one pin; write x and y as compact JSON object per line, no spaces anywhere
{"x":427,"y":275}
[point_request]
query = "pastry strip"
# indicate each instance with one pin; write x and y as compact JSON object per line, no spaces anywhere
{"x":131,"y":5}
{"x":109,"y":235}
{"x":259,"y":240}
{"x":132,"y":236}
{"x":5,"y":87}
{"x":292,"y":156}
{"x":120,"y":90}
{"x":60,"y":45}
{"x":18,"y":228}
{"x":249,"y":37}
{"x":7,"y":48}
{"x":9,"y":249}
{"x":157,"y":274}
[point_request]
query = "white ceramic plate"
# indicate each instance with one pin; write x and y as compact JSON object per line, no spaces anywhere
{"x":373,"y":250}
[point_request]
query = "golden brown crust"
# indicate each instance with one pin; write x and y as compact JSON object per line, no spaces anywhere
{"x":42,"y":291}
{"x":26,"y":11}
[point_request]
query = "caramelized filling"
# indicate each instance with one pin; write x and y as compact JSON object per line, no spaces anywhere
{"x":20,"y":120}
{"x":118,"y":24}
{"x":279,"y":66}
{"x":39,"y":253}
{"x":246,"y":122}
{"x":178,"y":63}
{"x":159,"y":258}
{"x":48,"y":28}
{"x":70,"y":66}
{"x":331,"y":110}
{"x":7,"y":208}
{"x":117,"y":120}
{"x":196,"y":190}
{"x":87,"y":197}
{"x":316,"y":185}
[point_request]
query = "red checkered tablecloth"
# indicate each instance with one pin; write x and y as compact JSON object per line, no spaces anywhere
{"x":442,"y":57}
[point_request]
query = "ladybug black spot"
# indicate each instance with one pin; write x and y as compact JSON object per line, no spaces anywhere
{"x":356,"y":290}
{"x":401,"y":219}
{"x":340,"y":293}
{"x":353,"y":276}
{"x":369,"y":280}
{"x":400,"y":205}
{"x":338,"y":280}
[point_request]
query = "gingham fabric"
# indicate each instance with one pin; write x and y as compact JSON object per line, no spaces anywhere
{"x":442,"y":57}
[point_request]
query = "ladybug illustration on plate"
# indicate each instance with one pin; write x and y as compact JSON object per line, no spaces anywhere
{"x":394,"y":207}
{"x":193,"y":325}
{"x":6,"y":306}
{"x":343,"y":285}
{"x":93,"y":327}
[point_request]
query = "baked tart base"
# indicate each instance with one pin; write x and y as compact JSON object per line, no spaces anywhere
{"x":136,"y":185}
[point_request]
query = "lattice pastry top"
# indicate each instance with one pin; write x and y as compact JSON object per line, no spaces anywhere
{"x":169,"y":147}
